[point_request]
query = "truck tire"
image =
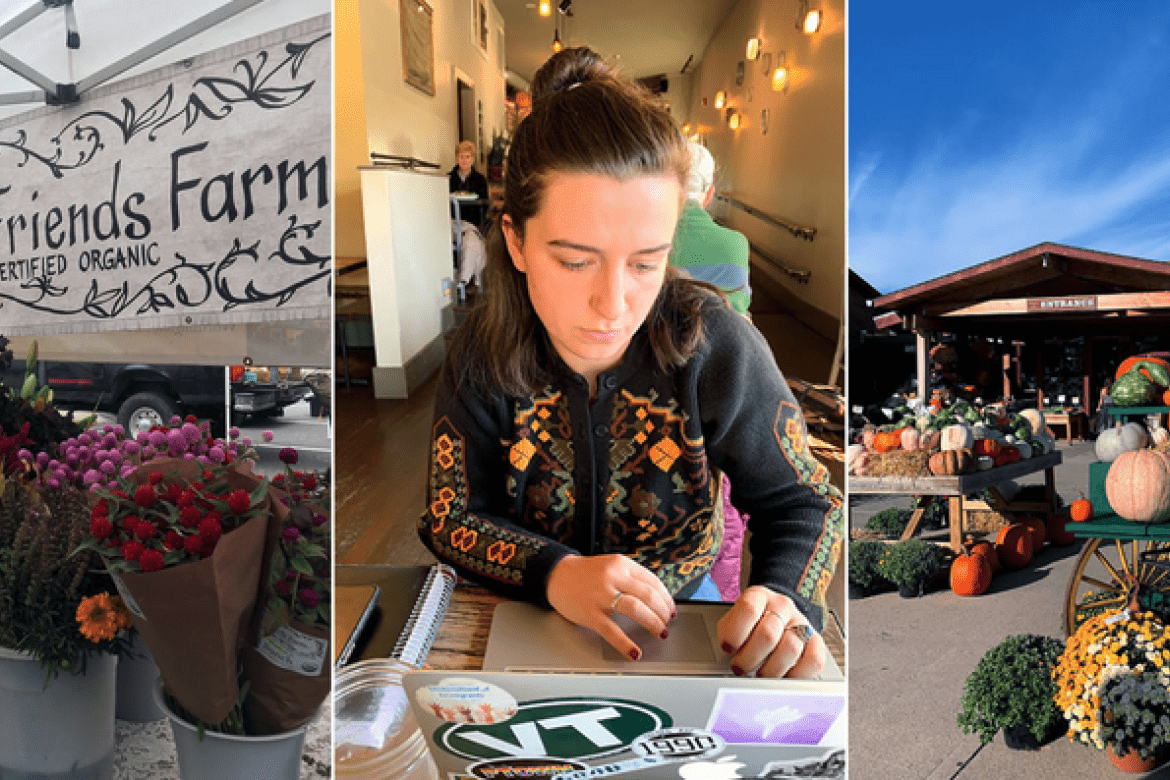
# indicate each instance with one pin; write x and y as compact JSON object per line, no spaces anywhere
{"x":149,"y":408}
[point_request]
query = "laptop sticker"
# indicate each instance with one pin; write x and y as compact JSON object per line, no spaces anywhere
{"x":572,"y":729}
{"x":750,"y":716}
{"x":830,"y":765}
{"x":526,"y":768}
{"x":655,"y":749}
{"x":466,"y":700}
{"x":726,"y":768}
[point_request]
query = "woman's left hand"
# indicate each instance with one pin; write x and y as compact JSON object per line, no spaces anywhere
{"x":764,"y":632}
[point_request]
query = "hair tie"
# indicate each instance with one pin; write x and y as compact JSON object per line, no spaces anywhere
{"x":573,"y":86}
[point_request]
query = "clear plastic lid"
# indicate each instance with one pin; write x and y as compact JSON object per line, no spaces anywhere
{"x":374,"y":729}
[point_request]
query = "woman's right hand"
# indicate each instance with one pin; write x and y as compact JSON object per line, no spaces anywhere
{"x":584,"y":590}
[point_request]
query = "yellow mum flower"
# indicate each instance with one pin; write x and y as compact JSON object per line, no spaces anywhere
{"x":99,"y":617}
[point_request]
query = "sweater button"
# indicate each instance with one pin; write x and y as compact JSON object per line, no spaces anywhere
{"x":610,"y":382}
{"x":600,"y":430}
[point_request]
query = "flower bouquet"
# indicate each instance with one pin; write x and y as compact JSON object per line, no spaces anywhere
{"x":1112,"y":681}
{"x":286,"y":659}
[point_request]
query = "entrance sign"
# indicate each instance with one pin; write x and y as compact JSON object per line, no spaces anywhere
{"x":1069,"y":303}
{"x":196,"y":194}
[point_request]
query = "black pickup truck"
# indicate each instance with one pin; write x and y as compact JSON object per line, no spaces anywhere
{"x":142,"y":395}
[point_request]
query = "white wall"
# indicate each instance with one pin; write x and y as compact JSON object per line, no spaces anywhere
{"x":400,"y":119}
{"x":797,"y":170}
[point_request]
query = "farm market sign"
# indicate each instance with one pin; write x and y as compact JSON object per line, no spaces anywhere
{"x":1069,"y":303}
{"x":192,"y":195}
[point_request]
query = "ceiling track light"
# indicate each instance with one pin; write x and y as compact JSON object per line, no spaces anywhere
{"x":780,"y":75}
{"x":566,"y":7}
{"x":556,"y":43}
{"x":753,"y":48}
{"x":545,"y":7}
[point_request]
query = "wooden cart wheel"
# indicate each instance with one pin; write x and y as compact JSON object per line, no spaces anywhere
{"x":1105,"y":566}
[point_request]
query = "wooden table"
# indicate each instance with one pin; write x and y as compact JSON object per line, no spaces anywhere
{"x":956,"y":487}
{"x":462,"y":639}
{"x":1074,"y":424}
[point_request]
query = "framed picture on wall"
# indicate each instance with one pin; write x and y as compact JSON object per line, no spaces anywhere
{"x":418,"y":45}
{"x":480,"y":25}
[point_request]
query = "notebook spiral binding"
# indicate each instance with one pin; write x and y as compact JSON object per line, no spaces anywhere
{"x":414,"y":643}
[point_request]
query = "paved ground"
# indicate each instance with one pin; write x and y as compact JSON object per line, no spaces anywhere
{"x":909,"y":658}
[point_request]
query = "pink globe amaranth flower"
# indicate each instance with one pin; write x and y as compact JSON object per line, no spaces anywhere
{"x":109,"y":440}
{"x":188,"y":456}
{"x":53,"y":483}
{"x":127,"y":469}
{"x":100,"y":455}
{"x":176,"y":441}
{"x":175,"y":421}
{"x":119,"y":430}
{"x":54,"y":463}
{"x":191,"y":432}
{"x":148,"y":452}
{"x":42,"y":459}
{"x":131,"y":447}
{"x":157,"y":439}
{"x":91,"y":476}
{"x":84,"y":438}
{"x":204,"y":460}
{"x":73,"y":460}
{"x":268,"y":436}
{"x":142,"y":437}
{"x":108,"y":427}
{"x":233,"y":433}
{"x":291,"y":534}
{"x":246,"y":442}
{"x":115,"y":456}
{"x":320,"y":520}
{"x":216,"y":454}
{"x":289,"y":455}
{"x":108,"y":467}
{"x":25,"y":455}
{"x":309,"y":597}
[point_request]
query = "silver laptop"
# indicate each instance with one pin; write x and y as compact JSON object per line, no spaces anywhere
{"x":570,"y":710}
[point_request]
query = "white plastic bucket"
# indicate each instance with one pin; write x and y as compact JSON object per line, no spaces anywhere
{"x":137,"y":677}
{"x":228,"y":757}
{"x":64,"y":731}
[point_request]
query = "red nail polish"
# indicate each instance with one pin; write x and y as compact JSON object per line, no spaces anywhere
{"x":665,"y":634}
{"x":673,"y":614}
{"x":727,"y":648}
{"x":635,"y":654}
{"x":736,"y":670}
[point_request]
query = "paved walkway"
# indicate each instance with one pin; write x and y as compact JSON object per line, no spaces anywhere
{"x":909,"y":658}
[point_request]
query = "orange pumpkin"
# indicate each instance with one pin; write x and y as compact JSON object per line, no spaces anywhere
{"x":1129,"y":362}
{"x":987,"y":550}
{"x":1039,"y":532}
{"x":1138,"y":486}
{"x":1058,"y":534}
{"x":951,"y":462}
{"x":1082,"y":509}
{"x":970,"y":575}
{"x":1166,"y":397}
{"x":987,"y":447}
{"x":1014,"y":546}
{"x":888,"y":441}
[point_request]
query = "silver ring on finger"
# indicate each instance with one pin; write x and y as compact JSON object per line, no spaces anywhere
{"x":803,"y":631}
{"x":613,"y":604}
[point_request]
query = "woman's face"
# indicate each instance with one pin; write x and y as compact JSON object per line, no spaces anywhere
{"x":595,"y":256}
{"x":465,"y":160}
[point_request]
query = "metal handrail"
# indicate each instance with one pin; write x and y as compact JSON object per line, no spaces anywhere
{"x":799,"y":231}
{"x":410,"y":163}
{"x":801,"y":275}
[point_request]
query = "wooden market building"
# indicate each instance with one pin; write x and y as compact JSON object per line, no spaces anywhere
{"x":1012,"y":310}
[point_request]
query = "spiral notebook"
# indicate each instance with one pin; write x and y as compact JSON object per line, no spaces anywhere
{"x":406,"y":613}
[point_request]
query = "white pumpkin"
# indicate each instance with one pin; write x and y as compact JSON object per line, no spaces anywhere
{"x":981,"y":431}
{"x":1159,"y":436}
{"x":1035,"y":419}
{"x":1114,"y":441}
{"x":957,"y":437}
{"x":1024,"y":448}
{"x":910,"y":438}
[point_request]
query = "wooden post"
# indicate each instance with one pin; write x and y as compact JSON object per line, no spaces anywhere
{"x":1040,"y":375}
{"x":1087,"y":399}
{"x":922,"y":339}
{"x":1006,"y":364}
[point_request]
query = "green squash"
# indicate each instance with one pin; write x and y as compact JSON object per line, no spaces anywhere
{"x":1133,"y":389}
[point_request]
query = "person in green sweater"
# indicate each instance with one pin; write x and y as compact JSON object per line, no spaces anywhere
{"x":709,"y":252}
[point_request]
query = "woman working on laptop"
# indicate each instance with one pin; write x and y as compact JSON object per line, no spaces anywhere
{"x":586,"y":407}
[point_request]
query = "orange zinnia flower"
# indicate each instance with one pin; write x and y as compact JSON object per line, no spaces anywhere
{"x":101,"y":617}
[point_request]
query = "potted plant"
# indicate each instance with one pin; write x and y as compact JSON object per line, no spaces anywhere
{"x":889,"y":522}
{"x":1012,"y":690}
{"x":865,"y":555}
{"x":911,"y":565}
{"x":1093,"y":685}
{"x":61,"y":626}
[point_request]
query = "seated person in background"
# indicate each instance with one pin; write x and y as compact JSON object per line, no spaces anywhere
{"x":709,"y":252}
{"x":463,"y":178}
{"x":592,"y":398}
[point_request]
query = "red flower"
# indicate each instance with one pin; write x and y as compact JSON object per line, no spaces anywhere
{"x":207,"y":475}
{"x":288,"y":455}
{"x":215,"y":515}
{"x":173,"y":540}
{"x":193,"y":545}
{"x":151,"y":560}
{"x":189,"y":517}
{"x":174,"y":490}
{"x":101,"y":527}
{"x":308,"y":482}
{"x":309,"y":597}
{"x":119,"y":492}
{"x":191,"y":418}
{"x":210,"y":531}
{"x":186,"y":498}
{"x":100,"y":509}
{"x":156,"y":477}
{"x":278,"y":479}
{"x":131,"y":550}
{"x":145,"y":496}
{"x":283,"y":587}
{"x":130,"y":524}
{"x":145,"y":530}
{"x":239,"y":501}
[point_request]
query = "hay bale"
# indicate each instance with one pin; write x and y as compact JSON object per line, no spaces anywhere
{"x":899,"y":463}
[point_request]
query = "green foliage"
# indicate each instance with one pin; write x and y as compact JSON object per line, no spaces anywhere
{"x":864,"y":557}
{"x":1012,"y":686}
{"x":889,"y":522}
{"x":910,"y":562}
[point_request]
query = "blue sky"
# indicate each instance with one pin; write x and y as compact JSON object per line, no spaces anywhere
{"x":979,"y":129}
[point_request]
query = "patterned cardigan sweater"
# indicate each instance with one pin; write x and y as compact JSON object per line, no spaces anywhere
{"x":518,"y":483}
